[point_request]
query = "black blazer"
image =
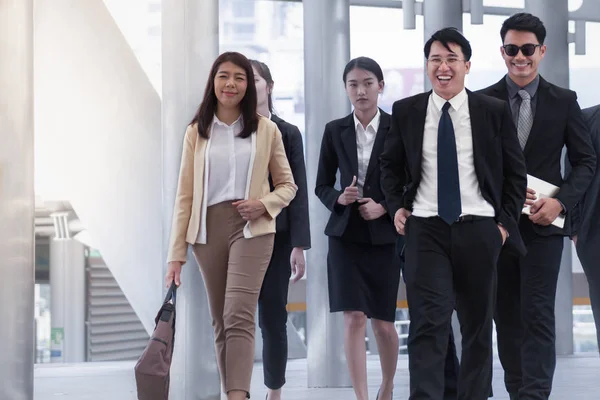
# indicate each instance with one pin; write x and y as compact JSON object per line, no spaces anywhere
{"x":339,"y":152}
{"x":293,"y":219}
{"x":588,"y":240}
{"x":498,"y":159}
{"x":557,"y":122}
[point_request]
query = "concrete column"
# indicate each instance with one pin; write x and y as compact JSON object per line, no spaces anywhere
{"x":326,"y":52}
{"x":67,"y":301}
{"x":16,"y":200}
{"x":555,"y":66}
{"x":190,"y":44}
{"x":555,"y":69}
{"x":438,"y":14}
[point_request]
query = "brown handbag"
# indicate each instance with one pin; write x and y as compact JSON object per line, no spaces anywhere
{"x":152,"y":368}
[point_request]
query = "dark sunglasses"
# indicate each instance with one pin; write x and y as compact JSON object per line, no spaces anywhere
{"x":528,"y":49}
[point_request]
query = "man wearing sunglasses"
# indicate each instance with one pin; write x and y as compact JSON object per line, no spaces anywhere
{"x":547,"y":119}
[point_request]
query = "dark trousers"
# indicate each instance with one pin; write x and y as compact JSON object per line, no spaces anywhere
{"x":451,"y":364}
{"x":272,"y":313}
{"x":450,"y":267}
{"x":588,"y":255}
{"x":525,"y":314}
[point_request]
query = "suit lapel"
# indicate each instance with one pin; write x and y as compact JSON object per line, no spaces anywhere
{"x":348,"y":136}
{"x":542,"y":107}
{"x":479,"y":134}
{"x":500,"y":90}
{"x":384,"y":126}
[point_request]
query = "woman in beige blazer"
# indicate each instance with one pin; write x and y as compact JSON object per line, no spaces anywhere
{"x":225,"y":209}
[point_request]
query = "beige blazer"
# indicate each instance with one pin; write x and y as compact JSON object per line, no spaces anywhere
{"x":268,"y":157}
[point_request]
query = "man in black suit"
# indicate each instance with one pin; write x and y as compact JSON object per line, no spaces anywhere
{"x":587,"y":240}
{"x":454,"y":180}
{"x":547,"y":118}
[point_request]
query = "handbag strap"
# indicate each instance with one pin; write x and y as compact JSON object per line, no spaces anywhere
{"x":171,"y":294}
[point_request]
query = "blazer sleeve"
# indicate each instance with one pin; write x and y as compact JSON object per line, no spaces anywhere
{"x":183,"y":200}
{"x":393,"y":166}
{"x":582,"y":158}
{"x":298,"y":209}
{"x":514,"y":187}
{"x":589,"y":206}
{"x":326,"y":174}
{"x":281,"y":174}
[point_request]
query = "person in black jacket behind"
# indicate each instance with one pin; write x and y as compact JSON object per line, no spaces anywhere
{"x":363,"y":271}
{"x":587,"y":240}
{"x":292,"y":237}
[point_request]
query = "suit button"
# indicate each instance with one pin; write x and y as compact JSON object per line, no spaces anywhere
{"x":368,"y":187}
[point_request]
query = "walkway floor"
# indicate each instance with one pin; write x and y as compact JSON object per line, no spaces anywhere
{"x":576,"y":378}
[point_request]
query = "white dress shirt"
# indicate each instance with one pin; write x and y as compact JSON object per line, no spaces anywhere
{"x":365,"y":138}
{"x":426,"y":200}
{"x":228,"y":162}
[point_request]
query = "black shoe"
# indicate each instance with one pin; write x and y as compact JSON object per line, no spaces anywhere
{"x":377,"y":398}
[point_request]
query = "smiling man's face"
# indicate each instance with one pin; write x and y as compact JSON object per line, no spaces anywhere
{"x":522,"y":69}
{"x":446,"y":69}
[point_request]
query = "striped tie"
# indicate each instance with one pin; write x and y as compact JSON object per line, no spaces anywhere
{"x":525,"y":118}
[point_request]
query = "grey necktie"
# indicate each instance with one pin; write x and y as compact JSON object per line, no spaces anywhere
{"x":525,"y":118}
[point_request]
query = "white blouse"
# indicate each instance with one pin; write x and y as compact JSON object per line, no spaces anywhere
{"x":228,"y":162}
{"x":365,"y":139}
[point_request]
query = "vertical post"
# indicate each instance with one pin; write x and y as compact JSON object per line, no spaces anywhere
{"x":190,"y":44}
{"x":16,"y":200}
{"x":555,"y":69}
{"x":67,"y":300}
{"x":326,"y":52}
{"x":438,"y":14}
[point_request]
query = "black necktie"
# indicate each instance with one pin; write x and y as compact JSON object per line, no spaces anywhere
{"x":449,"y":206}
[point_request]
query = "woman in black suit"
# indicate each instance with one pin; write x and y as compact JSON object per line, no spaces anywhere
{"x":363,"y":270}
{"x":292,"y":237}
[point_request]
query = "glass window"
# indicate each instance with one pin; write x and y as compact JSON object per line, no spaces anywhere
{"x":583,"y":68}
{"x":242,"y":9}
{"x":487,"y":65}
{"x":273,"y":35}
{"x":378,"y":33}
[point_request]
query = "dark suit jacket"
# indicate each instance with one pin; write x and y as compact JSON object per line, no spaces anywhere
{"x":557,"y":122}
{"x":588,"y":237}
{"x":339,"y":152}
{"x":293,"y":219}
{"x":498,"y":159}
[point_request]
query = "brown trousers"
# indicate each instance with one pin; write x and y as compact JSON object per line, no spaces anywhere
{"x":233,"y":269}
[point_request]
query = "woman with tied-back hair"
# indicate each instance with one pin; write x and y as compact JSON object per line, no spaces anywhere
{"x":363,"y":270}
{"x":291,"y":239}
{"x":226,"y":210}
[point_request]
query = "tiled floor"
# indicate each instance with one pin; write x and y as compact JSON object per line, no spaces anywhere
{"x":576,"y":378}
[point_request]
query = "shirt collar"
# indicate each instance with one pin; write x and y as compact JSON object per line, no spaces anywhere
{"x":217,"y":121}
{"x":373,"y":124}
{"x":513,"y":88}
{"x":456,"y":102}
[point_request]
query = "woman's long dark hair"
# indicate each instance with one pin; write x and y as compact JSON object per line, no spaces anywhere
{"x":265,"y":73}
{"x":208,"y":107}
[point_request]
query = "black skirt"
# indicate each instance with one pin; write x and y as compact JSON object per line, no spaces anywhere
{"x":363,"y":277}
